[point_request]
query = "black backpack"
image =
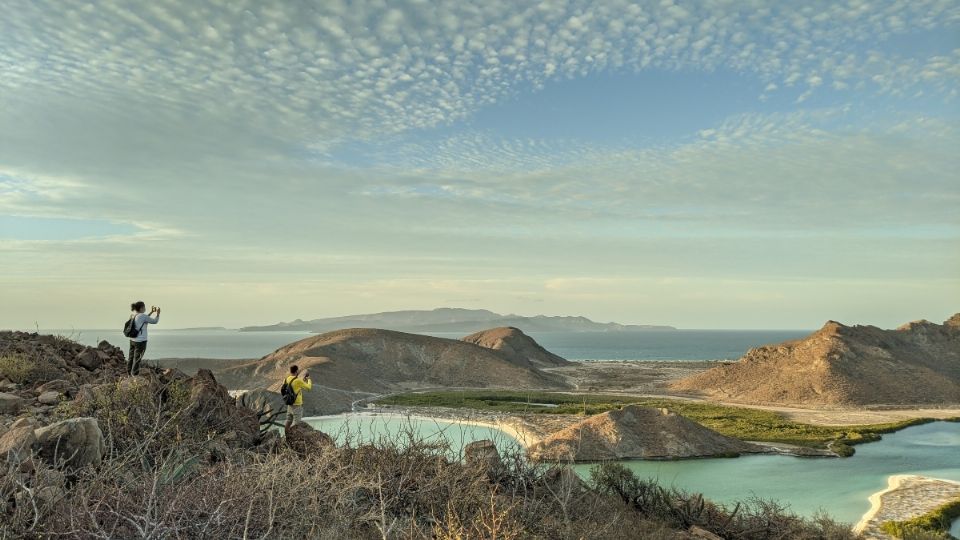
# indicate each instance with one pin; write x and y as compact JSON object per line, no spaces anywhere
{"x":287,"y":393}
{"x":130,"y":328}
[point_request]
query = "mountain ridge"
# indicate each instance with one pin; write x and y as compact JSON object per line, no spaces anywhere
{"x":459,"y":320}
{"x":917,"y":363}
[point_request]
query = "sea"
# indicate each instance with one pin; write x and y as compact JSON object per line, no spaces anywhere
{"x":665,"y":345}
{"x":838,"y":486}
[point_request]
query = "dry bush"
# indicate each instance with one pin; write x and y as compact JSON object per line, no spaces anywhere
{"x":22,"y":370}
{"x":755,"y":519}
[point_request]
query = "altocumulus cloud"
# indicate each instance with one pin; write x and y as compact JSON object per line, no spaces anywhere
{"x":290,"y":130}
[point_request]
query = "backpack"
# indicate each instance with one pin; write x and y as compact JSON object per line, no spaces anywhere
{"x":130,"y":327}
{"x":287,"y":393}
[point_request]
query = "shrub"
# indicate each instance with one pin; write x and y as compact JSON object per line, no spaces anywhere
{"x":22,"y":370}
{"x":934,"y":525}
{"x":754,"y":519}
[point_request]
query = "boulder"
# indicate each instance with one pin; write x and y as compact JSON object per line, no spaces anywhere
{"x":212,"y":406}
{"x":482,"y":454}
{"x":89,"y":359}
{"x":702,"y":534}
{"x":72,"y":443}
{"x":51,"y":397}
{"x":58,"y":385}
{"x":16,"y":444}
{"x":10,"y":403}
{"x":267,"y":404}
{"x":305,"y":440}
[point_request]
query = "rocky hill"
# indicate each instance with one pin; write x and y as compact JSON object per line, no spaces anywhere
{"x":452,"y":320}
{"x":635,"y":432}
{"x":518,"y":347}
{"x":845,"y":366}
{"x":356,"y":363}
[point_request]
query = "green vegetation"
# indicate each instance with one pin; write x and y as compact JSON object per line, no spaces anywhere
{"x":934,"y":525}
{"x":741,"y":423}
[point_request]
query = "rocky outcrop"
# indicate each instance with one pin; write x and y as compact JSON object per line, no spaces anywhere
{"x":839,"y":365}
{"x":516,"y":346}
{"x":635,"y":432}
{"x":72,"y":443}
{"x":213,"y":407}
{"x":305,"y":440}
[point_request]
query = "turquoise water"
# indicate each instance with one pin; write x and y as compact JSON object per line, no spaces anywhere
{"x":840,"y":487}
{"x":647,"y":345}
{"x":365,"y":427}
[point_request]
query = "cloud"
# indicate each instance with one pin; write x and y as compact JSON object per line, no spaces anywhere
{"x":332,"y":73}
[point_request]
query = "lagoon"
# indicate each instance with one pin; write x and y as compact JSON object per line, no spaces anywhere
{"x":840,"y":487}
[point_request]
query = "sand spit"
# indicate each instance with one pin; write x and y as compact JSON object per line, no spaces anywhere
{"x":906,"y":496}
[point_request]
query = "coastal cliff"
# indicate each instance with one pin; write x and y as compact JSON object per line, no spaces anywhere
{"x":844,"y":366}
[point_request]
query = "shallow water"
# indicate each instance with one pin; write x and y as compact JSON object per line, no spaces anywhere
{"x":840,"y":487}
{"x":367,"y":427}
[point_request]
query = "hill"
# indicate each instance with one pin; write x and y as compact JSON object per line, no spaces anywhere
{"x":356,"y":363}
{"x":520,"y":348}
{"x":845,"y":366}
{"x":451,"y":320}
{"x":639,"y":433}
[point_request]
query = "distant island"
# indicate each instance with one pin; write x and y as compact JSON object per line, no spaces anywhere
{"x":452,"y":320}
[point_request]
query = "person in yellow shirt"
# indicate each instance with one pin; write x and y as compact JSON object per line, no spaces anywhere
{"x":298,"y":384}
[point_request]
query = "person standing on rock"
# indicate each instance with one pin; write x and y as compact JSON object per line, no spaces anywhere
{"x":295,"y":385}
{"x":139,"y":321}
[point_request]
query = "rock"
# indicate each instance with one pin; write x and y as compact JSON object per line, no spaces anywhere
{"x":269,"y":443}
{"x":89,"y":359}
{"x":305,"y":440}
{"x":565,"y":480}
{"x":72,"y":443}
{"x":703,"y":534}
{"x":483,"y":454}
{"x":7,"y":385}
{"x":266,"y":404}
{"x":212,"y":405}
{"x":58,"y":385}
{"x":10,"y":404}
{"x":49,"y":398}
{"x":25,"y":421}
{"x":16,"y":444}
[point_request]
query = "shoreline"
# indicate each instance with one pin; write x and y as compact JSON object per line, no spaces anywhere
{"x":905,"y":484}
{"x":523,"y":437}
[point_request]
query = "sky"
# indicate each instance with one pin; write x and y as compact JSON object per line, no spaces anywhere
{"x":709,"y":164}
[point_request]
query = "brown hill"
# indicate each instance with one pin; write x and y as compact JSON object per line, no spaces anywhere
{"x":916,"y":364}
{"x":355,"y":363}
{"x":516,"y":346}
{"x":636,"y":432}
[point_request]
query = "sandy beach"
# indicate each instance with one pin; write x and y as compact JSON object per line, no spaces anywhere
{"x":906,"y":496}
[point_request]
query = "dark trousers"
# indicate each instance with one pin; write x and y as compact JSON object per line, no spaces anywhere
{"x":137,"y":348}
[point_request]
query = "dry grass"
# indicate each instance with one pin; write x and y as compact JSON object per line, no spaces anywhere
{"x":161,"y":480}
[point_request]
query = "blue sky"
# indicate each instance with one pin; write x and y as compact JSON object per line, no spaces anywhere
{"x":704,"y":164}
